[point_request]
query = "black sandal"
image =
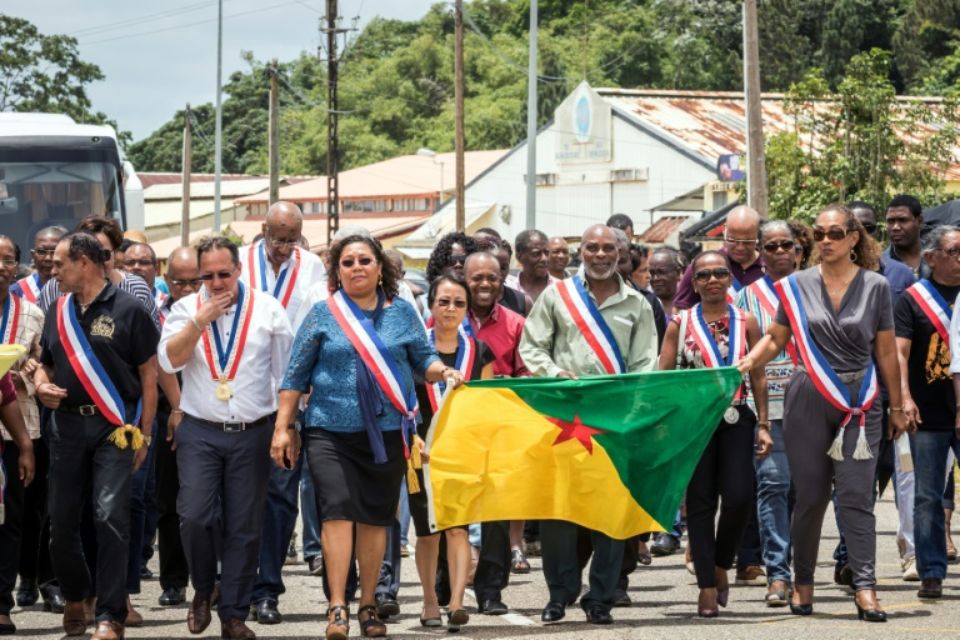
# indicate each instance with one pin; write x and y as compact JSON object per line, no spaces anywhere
{"x":519,"y":563}
{"x":373,"y":626}
{"x":338,"y":627}
{"x":456,"y":619}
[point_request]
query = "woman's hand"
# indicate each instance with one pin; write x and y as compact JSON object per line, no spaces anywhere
{"x":422,"y":446}
{"x":764,"y":443}
{"x":745,"y":365}
{"x":912,"y":414}
{"x":26,"y":463}
{"x":896,"y":425}
{"x":453,"y":378}
{"x":285,"y":447}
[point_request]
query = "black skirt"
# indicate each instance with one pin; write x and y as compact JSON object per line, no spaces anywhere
{"x":347,"y":482}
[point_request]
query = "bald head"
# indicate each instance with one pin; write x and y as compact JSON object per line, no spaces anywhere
{"x":600,"y":232}
{"x":183,"y":273}
{"x":182,"y":256}
{"x":598,"y":248}
{"x":281,"y":232}
{"x":284,"y":213}
{"x":740,"y":237}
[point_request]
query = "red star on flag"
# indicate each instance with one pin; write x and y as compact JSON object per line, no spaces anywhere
{"x":575,"y":430}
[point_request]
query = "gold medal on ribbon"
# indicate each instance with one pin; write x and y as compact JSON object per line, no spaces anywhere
{"x":223,"y":389}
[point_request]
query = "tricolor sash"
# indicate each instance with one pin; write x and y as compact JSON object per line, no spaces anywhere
{"x":224,"y":367}
{"x":824,"y":378}
{"x":466,"y":354}
{"x":10,"y":320}
{"x":733,"y":289}
{"x":89,"y":370}
{"x":933,"y":306}
{"x":767,"y":297}
{"x":709,"y":349}
{"x":594,"y":328}
{"x":31,"y":287}
{"x":286,"y":279}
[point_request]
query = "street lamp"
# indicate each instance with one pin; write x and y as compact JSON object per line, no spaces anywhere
{"x":430,"y":153}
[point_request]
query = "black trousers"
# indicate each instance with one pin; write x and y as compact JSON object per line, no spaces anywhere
{"x":724,"y":477}
{"x":560,"y":544}
{"x":223,"y":487}
{"x":82,"y":459}
{"x":174,"y":573}
{"x":35,"y":567}
{"x":12,"y":527}
{"x":493,"y":565}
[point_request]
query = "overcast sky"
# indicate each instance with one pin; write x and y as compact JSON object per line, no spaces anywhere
{"x":160,"y":55}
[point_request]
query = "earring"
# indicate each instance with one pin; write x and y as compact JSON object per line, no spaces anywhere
{"x":380,"y":280}
{"x":853,"y":255}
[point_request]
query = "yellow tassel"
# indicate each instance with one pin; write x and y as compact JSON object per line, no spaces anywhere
{"x":120,"y":440}
{"x":413,"y":485}
{"x":415,"y":452}
{"x":119,"y":437}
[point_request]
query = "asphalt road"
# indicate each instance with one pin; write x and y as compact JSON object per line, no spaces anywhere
{"x":664,"y":606}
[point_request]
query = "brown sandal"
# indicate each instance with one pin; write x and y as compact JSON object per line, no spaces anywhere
{"x":338,"y":627}
{"x":372,"y":626}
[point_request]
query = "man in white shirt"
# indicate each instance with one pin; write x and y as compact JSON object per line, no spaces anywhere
{"x":278,"y":266}
{"x":231,"y":345}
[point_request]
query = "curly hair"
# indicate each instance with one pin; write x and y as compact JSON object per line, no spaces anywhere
{"x":866,"y":251}
{"x":94,"y":224}
{"x":804,"y":237}
{"x":440,"y":257}
{"x":390,"y":276}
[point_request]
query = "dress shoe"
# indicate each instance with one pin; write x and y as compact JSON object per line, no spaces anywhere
{"x":843,"y":576}
{"x":553,"y":612}
{"x":134,"y":619}
{"x":265,"y":612}
{"x":598,"y":615}
{"x":291,"y":551}
{"x":316,"y":565}
{"x":90,"y":611}
{"x":27,"y":594}
{"x":74,"y":622}
{"x":752,"y":576}
{"x":108,"y":630}
{"x":872,"y":611}
{"x":146,"y":574}
{"x":664,"y":544}
{"x":387,"y":606}
{"x":7,"y":628}
{"x":172,"y":597}
{"x":198,"y":616}
{"x":235,"y":629}
{"x":621,"y":598}
{"x":492,"y":608}
{"x":52,"y":598}
{"x":930,"y":589}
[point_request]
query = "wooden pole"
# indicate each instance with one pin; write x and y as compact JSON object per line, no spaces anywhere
{"x":531,"y":217}
{"x":186,"y":162}
{"x":458,"y":99}
{"x":333,"y":151}
{"x":756,"y":172}
{"x":274,"y":133}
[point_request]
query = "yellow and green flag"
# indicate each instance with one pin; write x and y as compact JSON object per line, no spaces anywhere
{"x":611,"y":453}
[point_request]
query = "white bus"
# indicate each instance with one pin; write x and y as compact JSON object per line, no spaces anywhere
{"x":55,"y":171}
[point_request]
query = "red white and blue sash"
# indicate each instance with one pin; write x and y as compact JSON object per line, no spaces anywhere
{"x":159,"y":297}
{"x":10,"y":320}
{"x":224,"y":367}
{"x":361,"y":333}
{"x":466,"y":354}
{"x":933,"y":306}
{"x":286,"y":279}
{"x":31,"y":287}
{"x":594,"y":328}
{"x":767,"y":297}
{"x":87,"y":367}
{"x":733,"y":289}
{"x":824,"y":378}
{"x":709,"y":349}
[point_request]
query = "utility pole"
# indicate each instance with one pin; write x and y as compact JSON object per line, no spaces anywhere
{"x":532,"y":121}
{"x":333,"y":144}
{"x":187,"y":162}
{"x":274,"y":133}
{"x":218,"y":135}
{"x":756,"y":171}
{"x":458,"y":101}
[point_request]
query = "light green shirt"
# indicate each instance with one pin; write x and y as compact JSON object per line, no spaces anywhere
{"x":552,"y":342}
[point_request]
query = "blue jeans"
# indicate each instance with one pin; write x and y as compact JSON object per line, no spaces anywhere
{"x":279,"y":520}
{"x":930,"y":469}
{"x":774,"y":506}
{"x":138,"y":515}
{"x":404,"y":514}
{"x":308,"y":511}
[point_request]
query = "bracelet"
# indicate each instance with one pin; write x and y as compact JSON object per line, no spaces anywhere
{"x":896,"y":409}
{"x":764,"y":424}
{"x":177,"y":412}
{"x":193,"y":319}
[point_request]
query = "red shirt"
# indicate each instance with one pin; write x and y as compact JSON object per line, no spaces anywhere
{"x":8,"y":393}
{"x":501,"y":332}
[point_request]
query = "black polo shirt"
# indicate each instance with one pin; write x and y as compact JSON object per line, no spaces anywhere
{"x":120,"y":332}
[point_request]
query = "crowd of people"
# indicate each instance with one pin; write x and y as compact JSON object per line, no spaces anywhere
{"x":199,"y":412}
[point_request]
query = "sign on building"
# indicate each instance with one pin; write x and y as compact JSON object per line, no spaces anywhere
{"x":584,"y":124}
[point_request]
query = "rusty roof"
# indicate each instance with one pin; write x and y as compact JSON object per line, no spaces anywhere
{"x":662,"y":229}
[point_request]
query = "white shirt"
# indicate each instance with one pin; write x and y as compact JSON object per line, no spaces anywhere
{"x":954,"y":337}
{"x":311,"y":273}
{"x":264,"y":359}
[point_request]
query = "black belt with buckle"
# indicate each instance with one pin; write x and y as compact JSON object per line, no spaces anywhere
{"x":85,"y":410}
{"x":232,"y":427}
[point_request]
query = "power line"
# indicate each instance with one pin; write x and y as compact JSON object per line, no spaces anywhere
{"x":87,"y":31}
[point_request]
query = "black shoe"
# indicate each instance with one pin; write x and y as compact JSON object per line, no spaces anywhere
{"x":387,"y":606}
{"x":930,"y":589}
{"x":265,"y":612}
{"x":598,"y":615}
{"x":27,"y":594}
{"x":52,"y":598}
{"x":7,"y":628}
{"x":664,"y":544}
{"x":492,"y":608}
{"x":621,"y":598}
{"x":172,"y":597}
{"x":553,"y":612}
{"x":801,"y":609}
{"x":145,"y":573}
{"x":316,"y":565}
{"x":871,"y":615}
{"x":843,"y":576}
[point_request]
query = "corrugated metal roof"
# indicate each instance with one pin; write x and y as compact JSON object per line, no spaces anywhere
{"x":663,"y":229}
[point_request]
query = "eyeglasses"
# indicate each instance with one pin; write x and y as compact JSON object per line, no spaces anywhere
{"x":740,"y":242}
{"x":187,"y":283}
{"x":43,"y":253}
{"x":834,"y":233}
{"x":280,"y":244}
{"x":869,"y":227}
{"x":349,"y":262}
{"x":9,"y":263}
{"x":661,"y":272}
{"x":460,"y":260}
{"x":953,"y":252}
{"x":138,"y":263}
{"x":773,"y":247}
{"x":720,"y":273}
{"x":220,"y":275}
{"x":445,"y":302}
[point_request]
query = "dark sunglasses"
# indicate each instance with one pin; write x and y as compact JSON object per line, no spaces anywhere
{"x":461,"y":260}
{"x":773,"y":247}
{"x":349,"y":262}
{"x":146,"y":262}
{"x":184,"y":283}
{"x":662,"y":272}
{"x":221,"y":275}
{"x":869,"y":227}
{"x":720,"y":273}
{"x":459,"y":304}
{"x":834,"y":233}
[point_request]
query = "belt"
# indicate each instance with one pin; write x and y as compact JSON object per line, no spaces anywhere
{"x":848,"y":377}
{"x":231,"y":427}
{"x":86,"y":410}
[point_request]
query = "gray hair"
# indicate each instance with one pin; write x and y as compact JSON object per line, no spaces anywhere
{"x":621,"y":235}
{"x":776,"y":225}
{"x":351,"y":230}
{"x":934,"y":239}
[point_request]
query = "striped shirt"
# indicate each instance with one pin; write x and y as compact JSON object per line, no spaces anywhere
{"x":29,"y":329}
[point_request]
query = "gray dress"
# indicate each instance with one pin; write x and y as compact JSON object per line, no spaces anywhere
{"x":846,"y":339}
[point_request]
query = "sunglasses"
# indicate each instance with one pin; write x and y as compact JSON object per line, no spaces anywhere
{"x":138,"y":263}
{"x":220,"y":275}
{"x":461,"y":260}
{"x":773,"y":247}
{"x":662,"y":272}
{"x":445,"y":302}
{"x":869,"y":227}
{"x":834,"y":233}
{"x":703,"y":276}
{"x":365,"y":261}
{"x":186,"y":283}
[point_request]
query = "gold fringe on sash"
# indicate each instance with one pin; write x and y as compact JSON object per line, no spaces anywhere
{"x":120,"y":438}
